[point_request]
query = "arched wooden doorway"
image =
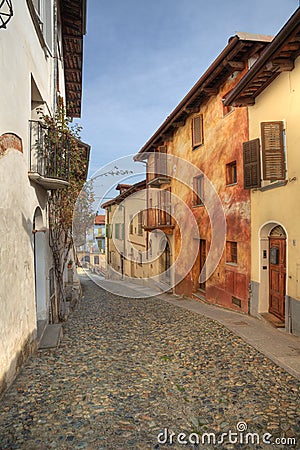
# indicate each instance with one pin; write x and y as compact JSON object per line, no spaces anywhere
{"x":277,"y":272}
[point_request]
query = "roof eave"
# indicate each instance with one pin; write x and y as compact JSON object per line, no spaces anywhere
{"x":232,"y":43}
{"x":278,"y":41}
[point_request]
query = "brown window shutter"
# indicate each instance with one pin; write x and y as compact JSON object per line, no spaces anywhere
{"x":161,"y":161}
{"x":197,"y":130}
{"x":272,"y":151}
{"x":251,"y":158}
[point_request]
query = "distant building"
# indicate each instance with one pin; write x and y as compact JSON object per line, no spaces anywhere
{"x":99,"y":232}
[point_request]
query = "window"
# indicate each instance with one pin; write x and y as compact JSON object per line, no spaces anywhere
{"x":164,"y":207}
{"x":231,"y":173}
{"x":140,"y":223}
{"x":197,"y":131}
{"x":231,"y":252}
{"x":273,"y":156}
{"x":251,"y":160}
{"x":42,"y":16}
{"x":96,"y":260}
{"x":198,"y":190}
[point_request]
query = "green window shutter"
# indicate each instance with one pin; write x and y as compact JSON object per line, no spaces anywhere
{"x":251,"y":159}
{"x":197,"y":130}
{"x":272,"y":151}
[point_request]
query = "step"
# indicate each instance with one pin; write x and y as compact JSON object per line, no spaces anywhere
{"x":51,"y":336}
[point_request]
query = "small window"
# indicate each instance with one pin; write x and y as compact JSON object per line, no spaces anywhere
{"x":198,"y":190}
{"x":231,"y":173}
{"x":42,"y":14}
{"x":231,"y":252}
{"x":197,"y":131}
{"x":96,"y":260}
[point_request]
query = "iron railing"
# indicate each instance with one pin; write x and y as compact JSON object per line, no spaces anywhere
{"x":49,"y":151}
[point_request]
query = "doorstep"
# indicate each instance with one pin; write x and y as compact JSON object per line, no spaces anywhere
{"x":51,"y":336}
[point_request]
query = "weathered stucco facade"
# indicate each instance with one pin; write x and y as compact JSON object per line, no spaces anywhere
{"x":223,"y":135}
{"x":210,"y":169}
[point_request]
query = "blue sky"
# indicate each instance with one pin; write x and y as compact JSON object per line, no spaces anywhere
{"x":142,"y":57}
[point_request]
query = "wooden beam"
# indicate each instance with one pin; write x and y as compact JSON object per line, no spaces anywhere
{"x":244,"y":101}
{"x":178,"y":124}
{"x":210,"y":91}
{"x":280,"y":65}
{"x":192,"y":109}
{"x":237,"y":65}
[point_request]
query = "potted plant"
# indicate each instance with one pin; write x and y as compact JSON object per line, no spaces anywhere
{"x":70,"y":264}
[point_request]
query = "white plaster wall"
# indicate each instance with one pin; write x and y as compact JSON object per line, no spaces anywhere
{"x":22,"y":57}
{"x":17,"y":293}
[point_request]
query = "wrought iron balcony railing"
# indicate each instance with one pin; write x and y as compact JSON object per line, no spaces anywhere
{"x":49,"y":163}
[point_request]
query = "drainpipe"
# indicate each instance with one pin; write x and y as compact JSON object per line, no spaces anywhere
{"x":249,"y":297}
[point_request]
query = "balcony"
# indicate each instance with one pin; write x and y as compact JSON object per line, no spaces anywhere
{"x":49,"y":159}
{"x":159,"y":212}
{"x":158,"y":170}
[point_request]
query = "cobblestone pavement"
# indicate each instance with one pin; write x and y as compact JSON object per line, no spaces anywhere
{"x":127,"y":369}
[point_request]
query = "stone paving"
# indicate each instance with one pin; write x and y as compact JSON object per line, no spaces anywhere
{"x":128,"y":369}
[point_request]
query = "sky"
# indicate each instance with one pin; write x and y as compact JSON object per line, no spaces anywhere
{"x":142,"y":57}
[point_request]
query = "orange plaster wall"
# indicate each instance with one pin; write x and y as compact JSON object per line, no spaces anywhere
{"x":223,"y":138}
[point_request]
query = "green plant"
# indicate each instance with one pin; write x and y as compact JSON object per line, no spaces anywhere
{"x":62,"y":133}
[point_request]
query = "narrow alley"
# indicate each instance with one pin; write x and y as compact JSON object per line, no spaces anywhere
{"x":130,"y":372}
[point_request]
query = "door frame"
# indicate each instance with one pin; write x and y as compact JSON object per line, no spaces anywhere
{"x":277,"y":241}
{"x":264,"y":272}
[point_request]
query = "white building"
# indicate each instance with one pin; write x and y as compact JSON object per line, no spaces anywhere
{"x":41,"y":59}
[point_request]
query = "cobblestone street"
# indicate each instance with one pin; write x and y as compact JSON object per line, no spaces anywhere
{"x":127,"y":369}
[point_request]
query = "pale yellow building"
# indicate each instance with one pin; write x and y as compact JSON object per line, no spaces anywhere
{"x":271,"y":90}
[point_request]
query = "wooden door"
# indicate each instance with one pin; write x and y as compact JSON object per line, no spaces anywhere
{"x":202,"y":259}
{"x":277,"y":276}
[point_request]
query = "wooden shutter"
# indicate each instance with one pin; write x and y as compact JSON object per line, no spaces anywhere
{"x":272,"y":151}
{"x":197,"y":130}
{"x":161,"y":161}
{"x":251,"y":158}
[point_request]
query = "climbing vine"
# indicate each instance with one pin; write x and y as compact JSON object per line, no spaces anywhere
{"x":62,"y":134}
